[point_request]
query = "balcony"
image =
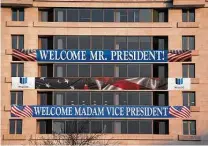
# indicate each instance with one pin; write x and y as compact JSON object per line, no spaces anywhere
{"x":24,"y":3}
{"x":187,"y":25}
{"x":189,"y":138}
{"x":102,"y":25}
{"x":188,"y":3}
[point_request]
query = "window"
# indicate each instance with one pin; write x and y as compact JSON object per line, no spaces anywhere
{"x":60,"y":42}
{"x":160,"y":15}
{"x":45,"y":98}
{"x":84,"y":15}
{"x":72,"y":70}
{"x":108,"y":98}
{"x":84,"y":98}
{"x":72,"y":42}
{"x":189,"y":127}
{"x":121,"y":43}
{"x":139,"y":98}
{"x":15,"y":126}
{"x":46,"y":15}
{"x":46,"y":70}
{"x":145,"y":127}
{"x":71,"y":98}
{"x":17,"y":14}
{"x":133,"y":43}
{"x":160,"y":70}
{"x":161,"y":127}
{"x":97,"y":15}
{"x":103,"y":126}
{"x":16,"y":97}
{"x":108,"y":15}
{"x":133,"y":15}
{"x":145,"y":15}
{"x":59,"y":98}
{"x":46,"y":42}
{"x":121,"y":15}
{"x":17,"y":69}
{"x":60,"y":70}
{"x":139,"y":70}
{"x":188,"y":43}
{"x":108,"y":42}
{"x":160,"y":43}
{"x":145,"y":43}
{"x":60,"y":15}
{"x":72,"y":15}
{"x":96,"y":98}
{"x":188,"y":15}
{"x":189,"y":99}
{"x":84,"y":42}
{"x":44,"y":126}
{"x":58,"y":127}
{"x":160,"y":99}
{"x":97,"y":42}
{"x":17,"y":41}
{"x":188,"y":70}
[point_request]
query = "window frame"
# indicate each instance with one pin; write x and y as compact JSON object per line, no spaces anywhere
{"x":18,"y":10}
{"x":15,"y":126}
{"x":16,"y":97}
{"x":188,"y":94}
{"x":188,"y":70}
{"x":189,"y":127}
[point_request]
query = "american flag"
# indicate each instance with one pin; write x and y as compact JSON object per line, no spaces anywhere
{"x":24,"y":54}
{"x":184,"y":112}
{"x":179,"y":55}
{"x":25,"y":112}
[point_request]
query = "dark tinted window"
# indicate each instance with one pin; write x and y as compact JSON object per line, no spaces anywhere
{"x":84,"y":42}
{"x":17,"y":70}
{"x":71,"y":126}
{"x":108,"y":42}
{"x":84,"y":70}
{"x":189,"y":127}
{"x":17,"y":42}
{"x":97,"y":42}
{"x":96,"y":98}
{"x":108,"y":15}
{"x":145,"y":127}
{"x":145,"y":43}
{"x":71,"y":98}
{"x":72,"y":42}
{"x":133,"y":127}
{"x":84,"y":15}
{"x":17,"y":14}
{"x":145,"y":15}
{"x":97,"y":15}
{"x":96,"y":70}
{"x":60,"y":15}
{"x":133,"y":15}
{"x":72,"y":70}
{"x":188,"y":70}
{"x":72,"y":15}
{"x":17,"y":97}
{"x":84,"y":98}
{"x":108,"y":98}
{"x":96,"y":126}
{"x":189,"y":99}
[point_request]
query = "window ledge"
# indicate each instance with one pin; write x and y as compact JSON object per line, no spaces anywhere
{"x":8,"y":52}
{"x":8,"y":80}
{"x":17,"y":24}
{"x":195,"y":52}
{"x":116,"y":136}
{"x":195,"y":108}
{"x":103,"y":24}
{"x":7,"y":108}
{"x":194,"y":80}
{"x":14,"y":137}
{"x":17,"y":2}
{"x":189,"y":138}
{"x":188,"y":3}
{"x":188,"y":25}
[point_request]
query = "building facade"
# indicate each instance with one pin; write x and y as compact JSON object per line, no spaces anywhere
{"x":105,"y":25}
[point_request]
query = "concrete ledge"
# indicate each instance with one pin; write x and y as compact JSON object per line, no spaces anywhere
{"x":25,"y":3}
{"x":137,"y":1}
{"x":195,"y":52}
{"x":195,"y":108}
{"x":189,"y":138}
{"x":102,"y":25}
{"x":188,"y":25}
{"x":188,"y":3}
{"x":194,"y":80}
{"x":7,"y":108}
{"x":8,"y":52}
{"x":8,"y":79}
{"x":113,"y":136}
{"x":14,"y":137}
{"x":16,"y":24}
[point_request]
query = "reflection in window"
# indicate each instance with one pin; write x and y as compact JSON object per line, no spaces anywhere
{"x":97,"y":15}
{"x":58,"y":127}
{"x":84,"y":15}
{"x":145,"y":43}
{"x":145,"y":15}
{"x":108,"y":15}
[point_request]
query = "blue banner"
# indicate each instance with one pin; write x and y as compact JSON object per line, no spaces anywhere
{"x":101,"y":111}
{"x":102,"y":56}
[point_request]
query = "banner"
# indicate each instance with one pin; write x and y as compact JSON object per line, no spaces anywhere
{"x":23,"y":82}
{"x":105,"y":83}
{"x":101,"y":56}
{"x":102,"y":83}
{"x":100,"y":111}
{"x":179,"y":83}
